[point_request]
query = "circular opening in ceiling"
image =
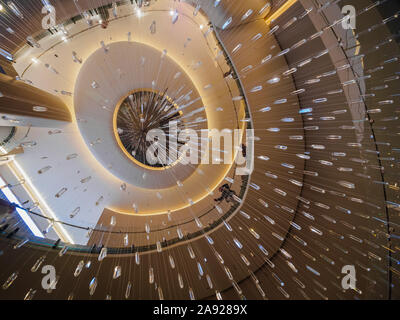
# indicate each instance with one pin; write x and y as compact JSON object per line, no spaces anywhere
{"x":137,"y":115}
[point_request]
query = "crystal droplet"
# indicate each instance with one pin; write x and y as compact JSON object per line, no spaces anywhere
{"x":99,"y":200}
{"x":191,"y":294}
{"x":198,"y":222}
{"x":92,"y":286}
{"x":113,"y":221}
{"x":151,"y":275}
{"x":72,"y":156}
{"x":44,"y":169}
{"x":171,"y":262}
{"x":103,"y":254}
{"x":63,"y":251}
{"x":117,"y":272}
{"x":38,"y":263}
{"x":79,"y":268}
{"x":128,"y":290}
{"x":126,"y":240}
{"x":191,"y":252}
{"x":61,"y":192}
{"x":137,"y":258}
{"x":160,"y":294}
{"x":10,"y":280}
{"x":87,"y":179}
{"x":180,"y":281}
{"x":21,"y":243}
{"x":30,"y":294}
{"x":75,"y":212}
{"x":180,"y":234}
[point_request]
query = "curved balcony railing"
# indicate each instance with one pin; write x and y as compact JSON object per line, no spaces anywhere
{"x":242,"y":183}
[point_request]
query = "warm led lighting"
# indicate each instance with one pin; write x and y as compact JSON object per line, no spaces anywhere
{"x":22,"y":213}
{"x":35,"y":194}
{"x":280,"y":11}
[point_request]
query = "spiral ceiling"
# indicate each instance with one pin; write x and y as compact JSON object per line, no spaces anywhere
{"x":199,"y":149}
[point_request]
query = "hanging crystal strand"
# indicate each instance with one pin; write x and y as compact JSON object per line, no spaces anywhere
{"x":180,"y":234}
{"x":20,"y":243}
{"x":160,"y":294}
{"x":260,"y":290}
{"x":137,"y":258}
{"x":159,"y":248}
{"x":92,"y":286}
{"x":63,"y":251}
{"x":171,"y":262}
{"x":218,"y":295}
{"x":198,"y":222}
{"x":151,"y":275}
{"x":191,"y":252}
{"x":46,"y":231}
{"x":117,"y":272}
{"x":113,"y":221}
{"x":180,"y":280}
{"x":128,"y":290}
{"x":79,"y":268}
{"x":38,"y":263}
{"x":245,"y":260}
{"x":237,"y":288}
{"x":199,"y":267}
{"x":126,"y":240}
{"x":191,"y":294}
{"x":10,"y":280}
{"x":219,"y":257}
{"x":30,"y":294}
{"x":210,"y":284}
{"x":103,"y":254}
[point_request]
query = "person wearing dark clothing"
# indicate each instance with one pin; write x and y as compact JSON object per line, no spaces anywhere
{"x":226,"y":193}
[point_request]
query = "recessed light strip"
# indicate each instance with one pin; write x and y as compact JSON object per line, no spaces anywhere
{"x":22,"y":213}
{"x":35,"y":194}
